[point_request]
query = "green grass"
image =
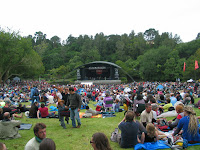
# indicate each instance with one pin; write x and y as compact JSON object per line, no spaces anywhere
{"x":73,"y":139}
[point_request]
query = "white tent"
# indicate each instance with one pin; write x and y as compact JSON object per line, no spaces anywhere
{"x":191,"y":80}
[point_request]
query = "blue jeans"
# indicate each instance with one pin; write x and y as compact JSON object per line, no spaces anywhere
{"x":37,"y":98}
{"x":62,"y":121}
{"x":93,"y":98}
{"x":74,"y":114}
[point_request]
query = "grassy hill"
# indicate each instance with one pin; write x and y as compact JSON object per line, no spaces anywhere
{"x":73,"y":139}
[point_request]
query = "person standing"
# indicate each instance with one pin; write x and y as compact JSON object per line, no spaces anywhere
{"x":40,"y":134}
{"x":35,"y":94}
{"x":74,"y":102}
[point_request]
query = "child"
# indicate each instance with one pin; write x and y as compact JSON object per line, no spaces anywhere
{"x":151,"y":135}
{"x":116,"y":105}
{"x":61,"y":107}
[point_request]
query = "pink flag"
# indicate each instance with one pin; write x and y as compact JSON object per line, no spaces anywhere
{"x":184,"y":66}
{"x":196,"y":65}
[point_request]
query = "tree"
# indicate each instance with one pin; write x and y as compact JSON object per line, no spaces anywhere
{"x":39,"y":37}
{"x":55,"y":41}
{"x":150,"y":35}
{"x":16,"y":56}
{"x":198,"y":36}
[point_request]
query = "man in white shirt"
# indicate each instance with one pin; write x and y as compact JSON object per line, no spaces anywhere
{"x":147,"y":115}
{"x":40,"y":134}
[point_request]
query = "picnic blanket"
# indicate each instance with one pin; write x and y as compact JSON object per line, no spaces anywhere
{"x":155,"y":145}
{"x":96,"y":116}
{"x":151,"y":145}
{"x":25,"y":126}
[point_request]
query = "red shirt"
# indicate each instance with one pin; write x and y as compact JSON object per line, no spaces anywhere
{"x":44,"y":111}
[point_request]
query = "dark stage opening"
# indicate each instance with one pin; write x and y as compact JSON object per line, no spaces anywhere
{"x":97,"y":73}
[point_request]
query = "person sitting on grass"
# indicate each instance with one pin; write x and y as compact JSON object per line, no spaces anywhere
{"x":89,"y":112}
{"x":44,"y":111}
{"x":129,"y":131}
{"x":151,"y":135}
{"x":179,"y":110}
{"x":99,"y":141}
{"x":34,"y":112}
{"x":167,"y":106}
{"x":7,"y":108}
{"x":147,"y":115}
{"x":9,"y":128}
{"x":40,"y":134}
{"x":189,"y":124}
{"x":116,"y":105}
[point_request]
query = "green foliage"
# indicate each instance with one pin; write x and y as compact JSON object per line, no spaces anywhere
{"x":18,"y":57}
{"x":144,"y":56}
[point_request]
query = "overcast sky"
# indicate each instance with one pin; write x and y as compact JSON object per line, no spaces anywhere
{"x":79,"y":17}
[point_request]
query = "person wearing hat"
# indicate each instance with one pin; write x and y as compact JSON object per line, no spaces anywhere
{"x":61,"y":107}
{"x":189,"y":125}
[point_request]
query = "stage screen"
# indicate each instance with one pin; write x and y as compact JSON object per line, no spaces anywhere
{"x":97,"y":73}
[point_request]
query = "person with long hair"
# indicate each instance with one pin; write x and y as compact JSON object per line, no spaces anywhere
{"x":47,"y":144}
{"x":151,"y":135}
{"x":189,"y":124}
{"x":99,"y":141}
{"x":34,"y":112}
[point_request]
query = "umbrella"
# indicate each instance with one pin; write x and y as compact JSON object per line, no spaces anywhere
{"x":80,"y":91}
{"x":160,"y":87}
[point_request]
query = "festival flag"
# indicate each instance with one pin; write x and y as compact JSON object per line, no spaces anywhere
{"x":196,"y":65}
{"x":184,"y":66}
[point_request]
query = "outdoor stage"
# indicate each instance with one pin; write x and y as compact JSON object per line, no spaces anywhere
{"x":90,"y":82}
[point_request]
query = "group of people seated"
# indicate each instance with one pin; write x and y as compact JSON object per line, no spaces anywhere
{"x":146,"y":105}
{"x":146,"y":130}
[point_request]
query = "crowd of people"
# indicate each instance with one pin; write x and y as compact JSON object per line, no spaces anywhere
{"x":146,"y":100}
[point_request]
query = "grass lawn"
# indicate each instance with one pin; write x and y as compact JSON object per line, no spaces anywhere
{"x":73,"y":139}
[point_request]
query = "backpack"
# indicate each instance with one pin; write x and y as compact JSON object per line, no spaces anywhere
{"x":35,"y":92}
{"x":115,"y":136}
{"x":177,"y":142}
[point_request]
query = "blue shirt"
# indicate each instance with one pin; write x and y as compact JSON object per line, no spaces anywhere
{"x":183,"y":124}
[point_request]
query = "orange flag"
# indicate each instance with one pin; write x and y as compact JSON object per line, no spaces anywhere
{"x":184,"y":66}
{"x":196,"y":65}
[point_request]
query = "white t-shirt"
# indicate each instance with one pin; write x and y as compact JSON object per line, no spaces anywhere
{"x":32,"y":144}
{"x":146,"y":117}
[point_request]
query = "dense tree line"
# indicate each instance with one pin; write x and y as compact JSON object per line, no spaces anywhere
{"x":145,"y":56}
